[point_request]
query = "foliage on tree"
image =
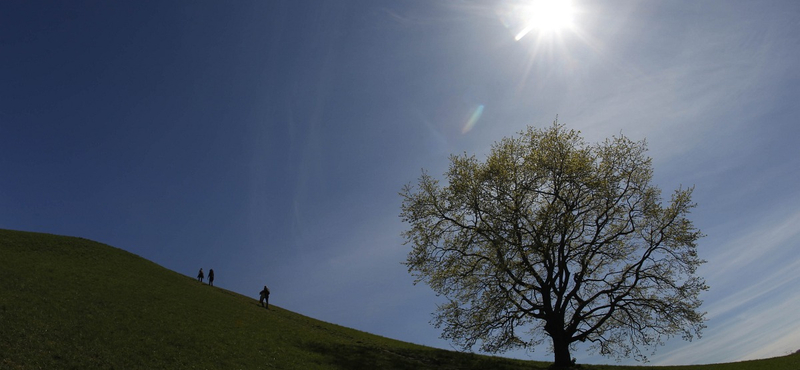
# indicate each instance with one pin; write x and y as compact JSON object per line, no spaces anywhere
{"x":555,"y":238}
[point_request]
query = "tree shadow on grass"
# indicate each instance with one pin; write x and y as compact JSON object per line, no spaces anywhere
{"x":361,"y":356}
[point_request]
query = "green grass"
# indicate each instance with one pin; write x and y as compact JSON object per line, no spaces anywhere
{"x":71,"y":303}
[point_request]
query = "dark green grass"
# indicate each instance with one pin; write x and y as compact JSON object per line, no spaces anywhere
{"x":71,"y":303}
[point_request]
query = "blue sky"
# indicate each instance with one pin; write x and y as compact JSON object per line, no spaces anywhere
{"x":268,"y":140}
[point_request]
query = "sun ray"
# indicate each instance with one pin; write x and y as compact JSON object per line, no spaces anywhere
{"x":544,"y":16}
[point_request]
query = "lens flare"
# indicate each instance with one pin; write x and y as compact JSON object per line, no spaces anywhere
{"x":473,"y":119}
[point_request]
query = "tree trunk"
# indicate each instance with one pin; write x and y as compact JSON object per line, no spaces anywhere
{"x":563,"y":359}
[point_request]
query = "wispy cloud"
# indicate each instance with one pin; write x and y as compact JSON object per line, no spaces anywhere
{"x":754,"y":280}
{"x":768,"y":242}
{"x":751,"y":332}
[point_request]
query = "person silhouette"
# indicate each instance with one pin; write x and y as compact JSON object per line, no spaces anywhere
{"x":264,"y":297}
{"x":211,"y":277}
{"x":200,"y":276}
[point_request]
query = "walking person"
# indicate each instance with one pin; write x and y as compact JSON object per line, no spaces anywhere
{"x":264,"y":297}
{"x":211,"y":277}
{"x":200,"y":276}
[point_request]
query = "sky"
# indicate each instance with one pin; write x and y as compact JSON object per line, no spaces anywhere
{"x":269,"y":140}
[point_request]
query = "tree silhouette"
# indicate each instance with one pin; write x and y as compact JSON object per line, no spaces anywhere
{"x":553,"y":237}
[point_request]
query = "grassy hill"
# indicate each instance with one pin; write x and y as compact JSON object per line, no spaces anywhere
{"x":71,"y":303}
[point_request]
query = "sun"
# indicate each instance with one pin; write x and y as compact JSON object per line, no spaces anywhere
{"x":544,"y":16}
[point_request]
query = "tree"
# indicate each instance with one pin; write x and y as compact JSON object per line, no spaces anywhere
{"x":553,"y":237}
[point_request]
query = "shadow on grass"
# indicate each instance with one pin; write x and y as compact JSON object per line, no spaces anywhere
{"x":362,"y":357}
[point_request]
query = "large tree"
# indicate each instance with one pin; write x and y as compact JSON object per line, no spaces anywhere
{"x":554,"y":237}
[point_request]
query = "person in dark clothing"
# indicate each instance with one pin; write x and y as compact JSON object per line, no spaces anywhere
{"x":200,"y":276}
{"x":211,"y":277}
{"x":264,"y":297}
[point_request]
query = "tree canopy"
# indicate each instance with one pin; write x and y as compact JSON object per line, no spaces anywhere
{"x":551,"y":237}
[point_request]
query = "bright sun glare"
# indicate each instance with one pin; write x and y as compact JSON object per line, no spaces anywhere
{"x":545,"y":16}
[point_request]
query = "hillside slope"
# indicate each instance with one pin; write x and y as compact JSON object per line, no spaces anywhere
{"x":71,"y":303}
